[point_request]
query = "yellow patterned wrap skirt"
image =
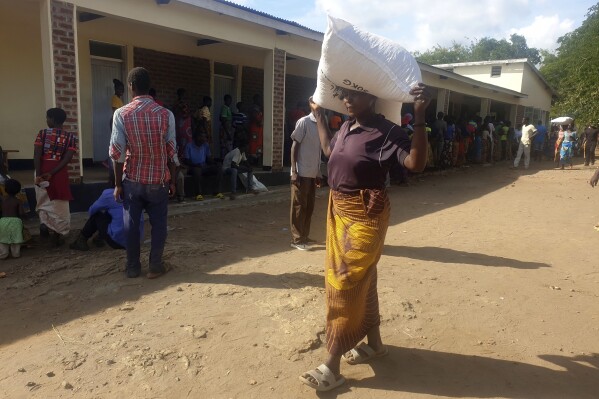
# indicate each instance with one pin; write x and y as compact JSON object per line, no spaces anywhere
{"x":356,"y":228}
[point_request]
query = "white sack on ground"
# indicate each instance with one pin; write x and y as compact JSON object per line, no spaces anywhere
{"x":358,"y":60}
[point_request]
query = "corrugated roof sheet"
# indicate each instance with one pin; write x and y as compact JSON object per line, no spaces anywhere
{"x":264,"y":14}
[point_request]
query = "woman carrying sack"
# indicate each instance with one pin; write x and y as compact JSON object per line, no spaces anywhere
{"x":380,"y":76}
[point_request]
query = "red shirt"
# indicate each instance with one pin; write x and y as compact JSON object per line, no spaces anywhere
{"x":143,"y":137}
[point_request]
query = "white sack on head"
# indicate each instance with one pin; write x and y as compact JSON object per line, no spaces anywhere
{"x":357,"y":60}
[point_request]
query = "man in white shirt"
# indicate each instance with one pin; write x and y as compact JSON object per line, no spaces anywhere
{"x":235,"y":162}
{"x":305,"y":176}
{"x":528,"y":133}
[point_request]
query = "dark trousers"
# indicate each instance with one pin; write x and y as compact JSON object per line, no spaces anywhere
{"x":234,"y":172}
{"x":589,"y":152}
{"x":153,"y":198}
{"x":99,"y":222}
{"x":303,"y":193}
{"x":199,"y":173}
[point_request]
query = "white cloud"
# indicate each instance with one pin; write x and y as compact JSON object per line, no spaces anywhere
{"x":544,"y":31}
{"x":444,"y":21}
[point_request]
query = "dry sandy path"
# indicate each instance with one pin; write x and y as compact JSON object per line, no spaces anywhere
{"x":489,"y":287}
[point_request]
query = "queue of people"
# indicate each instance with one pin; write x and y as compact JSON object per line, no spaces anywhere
{"x":474,"y":140}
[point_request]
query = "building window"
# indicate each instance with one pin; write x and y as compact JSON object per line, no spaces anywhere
{"x":496,"y":71}
{"x":106,"y":50}
{"x":225,"y":69}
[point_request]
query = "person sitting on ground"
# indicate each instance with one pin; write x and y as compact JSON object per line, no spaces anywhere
{"x":105,"y":218}
{"x":198,"y":159}
{"x":11,"y":224}
{"x":235,"y":162}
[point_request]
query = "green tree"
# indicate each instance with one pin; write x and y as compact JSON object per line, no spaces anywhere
{"x":445,"y":55}
{"x":485,"y":49}
{"x":574,"y":71}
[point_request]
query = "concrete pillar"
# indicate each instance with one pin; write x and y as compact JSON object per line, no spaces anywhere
{"x":47,"y":53}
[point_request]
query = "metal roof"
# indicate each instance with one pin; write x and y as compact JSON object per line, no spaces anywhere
{"x":267,"y":15}
{"x":282,"y":26}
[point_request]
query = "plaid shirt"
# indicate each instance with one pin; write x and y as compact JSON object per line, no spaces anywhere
{"x":143,"y":137}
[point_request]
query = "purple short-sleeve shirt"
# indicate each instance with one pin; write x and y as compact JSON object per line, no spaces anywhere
{"x":361,"y":158}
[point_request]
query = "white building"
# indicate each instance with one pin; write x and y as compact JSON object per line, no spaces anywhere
{"x":519,"y":75}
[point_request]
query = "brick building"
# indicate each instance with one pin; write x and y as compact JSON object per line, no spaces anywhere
{"x":66,"y":54}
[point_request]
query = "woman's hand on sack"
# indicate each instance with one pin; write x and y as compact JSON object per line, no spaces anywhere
{"x":422,"y":98}
{"x":315,"y":108}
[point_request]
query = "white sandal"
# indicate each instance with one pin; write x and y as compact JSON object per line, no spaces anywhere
{"x":362,"y":354}
{"x":325,"y":379}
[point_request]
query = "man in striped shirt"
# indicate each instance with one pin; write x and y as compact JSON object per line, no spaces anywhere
{"x":143,"y":150}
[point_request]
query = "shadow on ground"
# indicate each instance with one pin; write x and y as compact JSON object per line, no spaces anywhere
{"x":421,"y":371}
{"x":446,"y":255}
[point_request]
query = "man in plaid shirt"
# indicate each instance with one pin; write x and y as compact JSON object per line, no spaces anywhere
{"x":144,"y":153}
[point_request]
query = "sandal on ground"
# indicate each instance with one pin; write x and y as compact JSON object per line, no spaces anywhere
{"x":325,"y":379}
{"x":363,"y":353}
{"x":152,"y":275}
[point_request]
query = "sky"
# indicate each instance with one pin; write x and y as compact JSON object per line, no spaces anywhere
{"x":419,"y":26}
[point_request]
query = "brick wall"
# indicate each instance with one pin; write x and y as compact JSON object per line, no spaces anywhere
{"x":171,"y":71}
{"x":278,"y":110}
{"x":65,"y":73}
{"x":446,"y":102}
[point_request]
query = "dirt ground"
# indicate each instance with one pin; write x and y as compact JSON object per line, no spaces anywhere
{"x":488,"y":285}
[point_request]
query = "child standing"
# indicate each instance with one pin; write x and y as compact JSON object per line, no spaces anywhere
{"x":53,"y":150}
{"x":11,"y":225}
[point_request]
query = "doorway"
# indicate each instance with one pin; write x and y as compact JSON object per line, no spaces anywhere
{"x":103,"y":72}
